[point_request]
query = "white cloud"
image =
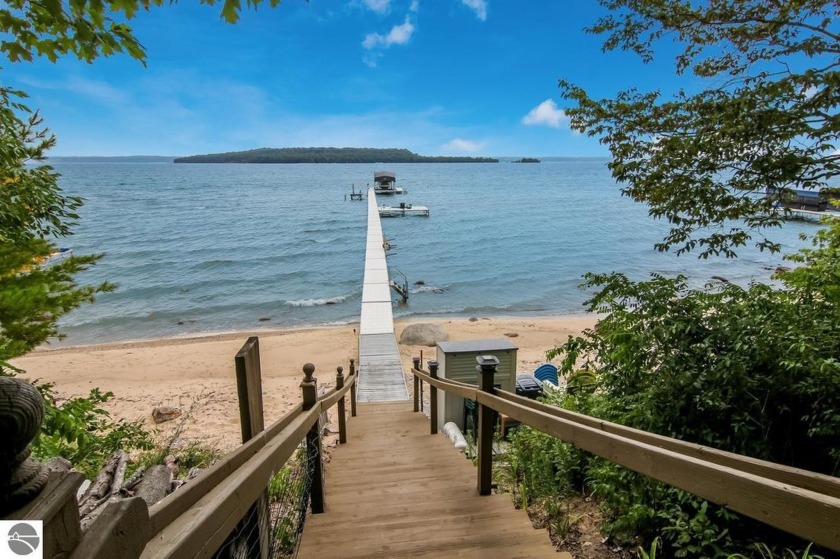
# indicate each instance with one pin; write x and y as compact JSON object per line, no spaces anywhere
{"x":459,"y":144}
{"x":398,"y":35}
{"x":546,"y":113}
{"x":414,"y":7}
{"x":479,"y":7}
{"x":378,"y":6}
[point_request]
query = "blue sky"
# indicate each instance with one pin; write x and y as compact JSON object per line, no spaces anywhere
{"x":439,"y":77}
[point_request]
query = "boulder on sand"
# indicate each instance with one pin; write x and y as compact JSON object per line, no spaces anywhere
{"x":423,"y":334}
{"x":165,"y":413}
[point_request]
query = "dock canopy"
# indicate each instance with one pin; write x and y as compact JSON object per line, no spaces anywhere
{"x":384,"y":177}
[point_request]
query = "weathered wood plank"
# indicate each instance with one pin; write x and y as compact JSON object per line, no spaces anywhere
{"x":167,"y":510}
{"x":395,"y":491}
{"x":820,"y":483}
{"x":122,"y":530}
{"x":200,"y":531}
{"x":817,"y":518}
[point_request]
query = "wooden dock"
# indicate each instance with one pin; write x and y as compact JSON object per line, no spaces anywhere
{"x":394,"y":490}
{"x":381,"y":376}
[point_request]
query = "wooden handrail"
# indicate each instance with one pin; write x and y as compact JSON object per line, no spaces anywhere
{"x":734,"y":484}
{"x":201,"y":531}
{"x":164,"y":512}
{"x":270,"y":446}
{"x":820,"y":483}
{"x":466,"y":391}
{"x":329,"y":399}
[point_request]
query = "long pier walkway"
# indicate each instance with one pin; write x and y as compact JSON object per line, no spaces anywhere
{"x":381,"y":376}
{"x":394,"y":490}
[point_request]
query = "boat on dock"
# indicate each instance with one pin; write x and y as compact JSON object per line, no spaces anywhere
{"x":802,"y":204}
{"x":385,"y":182}
{"x":798,"y":199}
{"x":403,"y":210}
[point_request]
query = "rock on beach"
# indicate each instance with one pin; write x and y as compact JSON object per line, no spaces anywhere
{"x":423,"y":334}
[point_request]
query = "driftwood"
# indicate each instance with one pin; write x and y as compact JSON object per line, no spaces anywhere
{"x":119,"y":473}
{"x":99,"y":490}
{"x":80,"y":492}
{"x":155,"y":484}
{"x":151,"y":485}
{"x":127,"y":489}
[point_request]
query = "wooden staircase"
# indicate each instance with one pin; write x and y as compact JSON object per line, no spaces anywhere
{"x":394,"y":490}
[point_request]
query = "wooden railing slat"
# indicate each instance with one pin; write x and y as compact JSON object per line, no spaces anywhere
{"x":166,"y":511}
{"x":762,"y":490}
{"x":805,"y":479}
{"x":329,"y":399}
{"x":199,"y":531}
{"x":817,"y":516}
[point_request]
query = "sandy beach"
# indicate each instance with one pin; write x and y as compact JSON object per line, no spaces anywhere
{"x":197,"y":374}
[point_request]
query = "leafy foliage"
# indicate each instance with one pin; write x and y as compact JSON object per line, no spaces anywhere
{"x":86,"y":30}
{"x":765,"y":552}
{"x":766,"y":118}
{"x":80,"y":430}
{"x":33,"y":209}
{"x":748,"y":370}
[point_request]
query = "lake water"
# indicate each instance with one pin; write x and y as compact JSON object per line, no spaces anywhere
{"x":209,"y":248}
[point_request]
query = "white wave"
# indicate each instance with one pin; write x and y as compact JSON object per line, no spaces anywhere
{"x":318,"y":302}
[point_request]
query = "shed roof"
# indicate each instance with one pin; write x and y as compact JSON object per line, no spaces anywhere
{"x":471,"y":346}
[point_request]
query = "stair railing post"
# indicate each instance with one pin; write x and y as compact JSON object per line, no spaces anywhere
{"x":21,"y":410}
{"x":486,"y":423}
{"x":416,"y":361}
{"x":342,"y":423}
{"x":353,"y":388}
{"x":28,"y":491}
{"x":309,"y":391}
{"x":433,"y":406}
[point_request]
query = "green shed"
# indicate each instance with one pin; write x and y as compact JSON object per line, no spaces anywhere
{"x":456,"y":361}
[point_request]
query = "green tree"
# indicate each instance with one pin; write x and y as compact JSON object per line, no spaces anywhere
{"x":766,"y":117}
{"x":34,"y":212}
{"x":745,"y":369}
{"x":86,"y":30}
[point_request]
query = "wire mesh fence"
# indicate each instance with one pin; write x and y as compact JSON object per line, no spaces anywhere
{"x":289,"y":492}
{"x":273,"y":526}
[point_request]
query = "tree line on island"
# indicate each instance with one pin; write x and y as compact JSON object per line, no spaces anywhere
{"x":328,"y":155}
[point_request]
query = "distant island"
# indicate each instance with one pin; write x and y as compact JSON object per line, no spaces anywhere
{"x":527,"y":160}
{"x":327,"y":155}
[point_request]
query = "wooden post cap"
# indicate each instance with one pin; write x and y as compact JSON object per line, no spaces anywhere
{"x":308,"y":371}
{"x":21,"y":414}
{"x":486,"y":363}
{"x":416,"y":361}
